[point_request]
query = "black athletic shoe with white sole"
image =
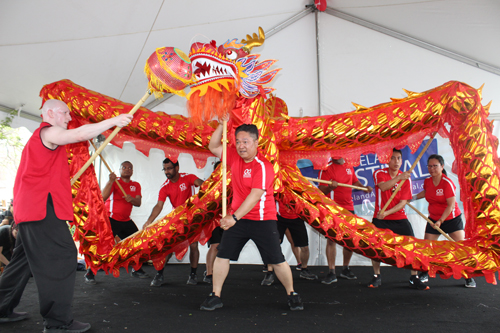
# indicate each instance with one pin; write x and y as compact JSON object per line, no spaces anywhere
{"x":415,"y":283}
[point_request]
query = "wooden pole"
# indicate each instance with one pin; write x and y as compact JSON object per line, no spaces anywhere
{"x":110,"y":137}
{"x":411,"y":170}
{"x":109,"y":169}
{"x":339,"y":184}
{"x":430,"y":222}
{"x":224,"y":166}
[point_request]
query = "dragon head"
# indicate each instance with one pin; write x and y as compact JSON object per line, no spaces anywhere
{"x":226,"y":72}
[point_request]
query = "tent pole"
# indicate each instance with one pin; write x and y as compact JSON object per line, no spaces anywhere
{"x":291,"y":20}
{"x":318,"y":65}
{"x":414,"y":41}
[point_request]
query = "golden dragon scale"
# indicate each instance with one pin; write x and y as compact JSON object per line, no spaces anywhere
{"x":284,"y":140}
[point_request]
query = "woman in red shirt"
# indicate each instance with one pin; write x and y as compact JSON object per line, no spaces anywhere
{"x":439,"y":191}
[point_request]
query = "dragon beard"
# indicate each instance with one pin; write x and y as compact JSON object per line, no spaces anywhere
{"x":214,"y":102}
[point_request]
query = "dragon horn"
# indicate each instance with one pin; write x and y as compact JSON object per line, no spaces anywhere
{"x":254,"y":40}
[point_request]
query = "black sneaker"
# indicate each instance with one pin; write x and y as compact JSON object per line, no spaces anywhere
{"x":140,"y":274}
{"x":415,"y":283}
{"x":375,"y":282}
{"x":268,"y":279}
{"x":192,"y":279}
{"x":157,"y":280}
{"x":89,"y":277}
{"x":75,"y":327}
{"x":211,"y":303}
{"x":207,"y":278}
{"x":14,"y":316}
{"x":294,"y":302}
{"x":305,"y":274}
{"x":264,"y":269}
{"x":330,"y":278}
{"x":424,"y":277}
{"x":299,"y":266}
{"x":347,"y":274}
{"x":470,"y":283}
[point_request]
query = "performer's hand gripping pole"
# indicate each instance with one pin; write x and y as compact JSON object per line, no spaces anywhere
{"x":108,"y":140}
{"x":109,"y":169}
{"x":411,"y":170}
{"x":430,"y":222}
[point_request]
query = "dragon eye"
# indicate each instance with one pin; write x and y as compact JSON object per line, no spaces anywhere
{"x":231,"y":55}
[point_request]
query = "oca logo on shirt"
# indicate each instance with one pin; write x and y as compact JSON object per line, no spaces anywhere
{"x":439,"y":192}
{"x":348,"y":171}
{"x":132,"y":188}
{"x":182,"y":187}
{"x":247,"y":173}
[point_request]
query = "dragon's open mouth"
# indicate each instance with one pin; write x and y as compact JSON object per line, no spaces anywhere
{"x":208,"y":67}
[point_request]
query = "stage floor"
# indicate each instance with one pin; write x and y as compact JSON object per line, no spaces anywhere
{"x":127,"y":304}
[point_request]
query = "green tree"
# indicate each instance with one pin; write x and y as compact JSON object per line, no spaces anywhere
{"x":11,"y":147}
{"x":12,"y":142}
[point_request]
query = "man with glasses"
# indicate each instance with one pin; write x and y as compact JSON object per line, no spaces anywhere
{"x":178,"y":188}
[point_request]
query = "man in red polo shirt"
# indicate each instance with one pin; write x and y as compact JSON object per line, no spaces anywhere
{"x":394,"y":218}
{"x":178,"y":188}
{"x":337,"y":172}
{"x":120,"y":208}
{"x":253,"y":214}
{"x":43,"y":203}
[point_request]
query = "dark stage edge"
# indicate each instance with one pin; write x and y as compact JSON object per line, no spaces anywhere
{"x":128,"y":304}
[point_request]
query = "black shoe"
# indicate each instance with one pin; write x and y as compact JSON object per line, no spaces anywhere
{"x":140,"y":274}
{"x":330,"y":278}
{"x":211,"y":303}
{"x":424,"y":277}
{"x":264,"y":269}
{"x":299,"y":266}
{"x":89,"y":277}
{"x":157,"y":280}
{"x":294,"y":302}
{"x":375,"y":282}
{"x":305,"y":274}
{"x":347,"y":274}
{"x":192,"y":279}
{"x":415,"y":283}
{"x":75,"y":327}
{"x":207,"y":278}
{"x":268,"y":279}
{"x":470,"y":283}
{"x":14,"y":316}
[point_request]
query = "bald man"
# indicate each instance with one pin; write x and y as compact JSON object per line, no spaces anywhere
{"x":43,"y":204}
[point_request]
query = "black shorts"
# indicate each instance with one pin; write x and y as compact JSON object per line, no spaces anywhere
{"x":400,"y":227}
{"x":263,"y":233}
{"x":216,"y":236}
{"x":123,"y":229}
{"x":449,"y":226}
{"x":297,"y":229}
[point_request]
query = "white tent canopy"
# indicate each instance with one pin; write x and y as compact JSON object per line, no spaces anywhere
{"x":362,"y":51}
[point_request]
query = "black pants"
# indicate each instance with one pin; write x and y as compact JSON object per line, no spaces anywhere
{"x":46,"y":250}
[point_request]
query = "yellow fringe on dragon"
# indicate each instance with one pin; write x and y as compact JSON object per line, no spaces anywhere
{"x":230,"y":73}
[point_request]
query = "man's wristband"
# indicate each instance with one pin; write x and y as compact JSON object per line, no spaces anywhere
{"x":235,"y":219}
